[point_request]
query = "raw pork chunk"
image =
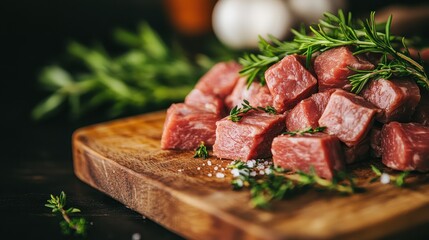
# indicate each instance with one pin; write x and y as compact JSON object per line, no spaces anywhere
{"x":256,"y":94}
{"x":421,"y":115}
{"x":332,"y":67}
{"x":405,"y":146}
{"x":308,"y":112}
{"x":289,"y":82}
{"x":396,"y":98}
{"x":220,"y":79}
{"x":348,"y":116}
{"x":375,"y":141}
{"x":250,"y":138}
{"x":187,"y":126}
{"x":319,"y":151}
{"x":356,"y":153}
{"x":205,"y":101}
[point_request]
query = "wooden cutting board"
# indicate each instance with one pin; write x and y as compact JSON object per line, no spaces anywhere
{"x":123,"y":159}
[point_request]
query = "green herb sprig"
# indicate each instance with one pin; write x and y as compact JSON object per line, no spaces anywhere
{"x":335,"y":31}
{"x":237,"y":113}
{"x":201,"y":151}
{"x":277,"y":184}
{"x":398,"y":180}
{"x":304,"y":131}
{"x":77,"y":226}
{"x":148,"y":73}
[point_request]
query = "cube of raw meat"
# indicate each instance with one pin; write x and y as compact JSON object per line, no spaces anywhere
{"x":205,"y":101}
{"x":319,"y":151}
{"x":332,"y":67}
{"x":250,"y":138}
{"x":289,"y":82}
{"x":256,"y":94}
{"x":396,"y":98}
{"x":356,"y":153}
{"x":421,"y":115}
{"x":405,"y":146}
{"x":220,"y":79}
{"x":375,"y":141}
{"x":348,"y":116}
{"x":187,"y":126}
{"x":308,"y":112}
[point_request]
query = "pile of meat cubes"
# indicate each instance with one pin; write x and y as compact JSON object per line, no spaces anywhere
{"x":389,"y":118}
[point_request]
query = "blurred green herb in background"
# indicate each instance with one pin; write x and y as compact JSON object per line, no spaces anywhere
{"x":147,"y":74}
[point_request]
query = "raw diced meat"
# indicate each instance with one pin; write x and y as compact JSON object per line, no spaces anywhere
{"x":405,"y":146}
{"x":319,"y":151}
{"x":348,"y":116}
{"x":220,"y":79}
{"x":375,"y":141}
{"x":187,"y":126}
{"x":250,"y":138}
{"x":396,"y":98}
{"x":205,"y":101}
{"x":421,"y":115}
{"x":356,"y":153}
{"x":332,"y":67}
{"x":289,"y":82}
{"x":256,"y":94}
{"x":307,"y":112}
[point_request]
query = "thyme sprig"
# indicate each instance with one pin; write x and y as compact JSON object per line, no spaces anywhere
{"x":307,"y":130}
{"x":69,"y":225}
{"x":201,"y":151}
{"x":276,"y":183}
{"x":335,"y":31}
{"x":237,"y":113}
{"x":398,"y":180}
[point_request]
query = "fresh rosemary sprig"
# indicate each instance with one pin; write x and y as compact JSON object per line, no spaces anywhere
{"x":201,"y":152}
{"x":237,"y":113}
{"x":385,"y":178}
{"x":307,"y":130}
{"x":334,"y":31}
{"x":274,"y":183}
{"x":69,"y":225}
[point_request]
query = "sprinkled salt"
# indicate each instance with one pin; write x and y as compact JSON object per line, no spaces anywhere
{"x":209,"y":163}
{"x":223,"y":169}
{"x":253,"y":173}
{"x":216,"y":168}
{"x":385,"y":178}
{"x":235,"y":172}
{"x":261,"y":172}
{"x":250,"y":163}
{"x":220,"y":175}
{"x":266,"y":163}
{"x":209,"y":174}
{"x":180,"y":170}
{"x":136,"y":236}
{"x":204,"y":164}
{"x":198,"y":168}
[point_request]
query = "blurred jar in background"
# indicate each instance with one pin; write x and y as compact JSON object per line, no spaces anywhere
{"x":190,"y":17}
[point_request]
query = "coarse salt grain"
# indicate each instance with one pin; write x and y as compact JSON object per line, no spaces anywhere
{"x":220,"y":175}
{"x":216,"y":168}
{"x":235,"y":172}
{"x":251,"y":163}
{"x":209,"y":174}
{"x":385,"y":178}
{"x":209,"y":163}
{"x":198,"y":168}
{"x":253,"y":173}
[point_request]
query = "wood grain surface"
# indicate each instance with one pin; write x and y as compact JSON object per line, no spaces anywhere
{"x":123,"y":159}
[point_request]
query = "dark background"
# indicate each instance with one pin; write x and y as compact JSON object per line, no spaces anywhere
{"x":36,"y":157}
